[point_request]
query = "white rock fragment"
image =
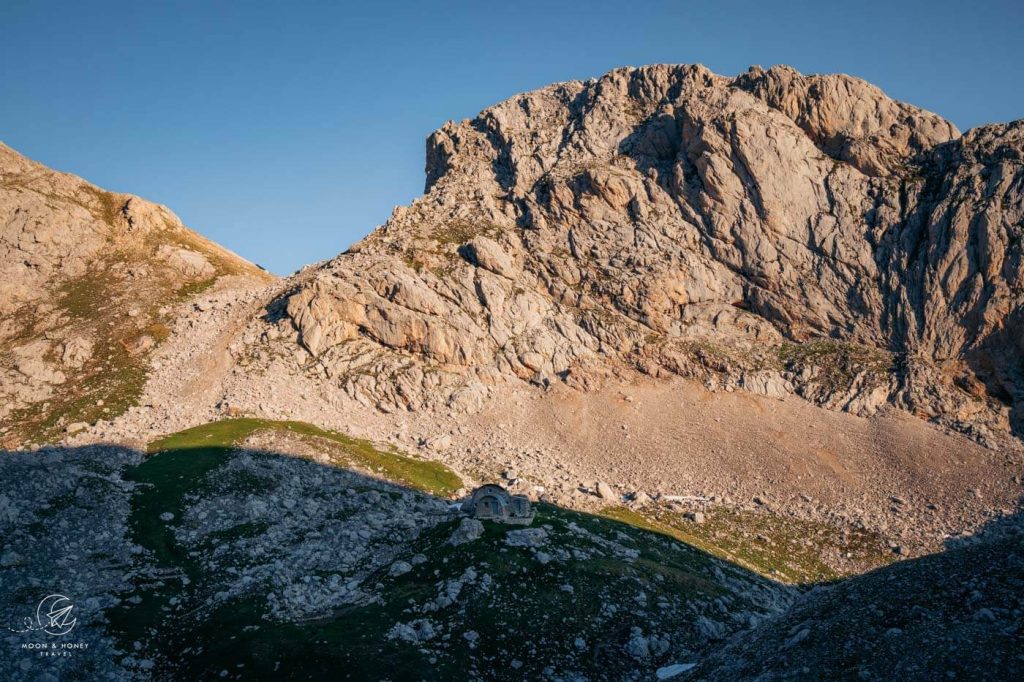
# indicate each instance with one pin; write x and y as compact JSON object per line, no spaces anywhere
{"x":526,"y":537}
{"x":399,"y":568}
{"x":675,"y":670}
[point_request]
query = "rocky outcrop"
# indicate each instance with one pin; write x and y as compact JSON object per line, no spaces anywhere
{"x":88,"y":279}
{"x":773,"y":231}
{"x":849,"y":119}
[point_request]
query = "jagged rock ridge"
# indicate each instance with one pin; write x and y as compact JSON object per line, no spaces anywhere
{"x":775,"y":232}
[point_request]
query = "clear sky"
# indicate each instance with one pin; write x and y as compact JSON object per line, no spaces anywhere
{"x":288,"y":130}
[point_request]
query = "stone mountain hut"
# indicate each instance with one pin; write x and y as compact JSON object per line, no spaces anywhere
{"x":491,"y":502}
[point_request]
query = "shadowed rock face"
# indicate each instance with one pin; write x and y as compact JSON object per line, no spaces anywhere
{"x":953,"y":615}
{"x":668,"y":219}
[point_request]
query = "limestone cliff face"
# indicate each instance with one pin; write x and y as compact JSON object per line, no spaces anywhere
{"x":773,"y":231}
{"x":88,"y":280}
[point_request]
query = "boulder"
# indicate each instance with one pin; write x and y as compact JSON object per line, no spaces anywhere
{"x":527,"y":537}
{"x":76,"y":352}
{"x":484,"y":252}
{"x":605,"y":492}
{"x":399,"y":568}
{"x":186,"y":262}
{"x":468,"y":530}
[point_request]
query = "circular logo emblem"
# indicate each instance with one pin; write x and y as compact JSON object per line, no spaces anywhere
{"x":54,"y":615}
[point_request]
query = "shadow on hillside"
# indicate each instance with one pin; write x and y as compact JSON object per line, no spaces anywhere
{"x":998,"y":365}
{"x":996,"y":527}
{"x":263,"y":564}
{"x":955,"y":614}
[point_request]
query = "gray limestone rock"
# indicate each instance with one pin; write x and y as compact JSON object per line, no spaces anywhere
{"x":468,"y":530}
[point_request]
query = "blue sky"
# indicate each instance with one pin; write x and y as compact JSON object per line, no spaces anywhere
{"x":288,"y":130}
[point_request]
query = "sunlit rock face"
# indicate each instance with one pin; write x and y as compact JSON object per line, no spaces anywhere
{"x":87,"y":278}
{"x":794,"y":233}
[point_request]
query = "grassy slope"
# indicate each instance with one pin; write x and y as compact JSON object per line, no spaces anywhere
{"x":527,"y":615}
{"x":788,"y":550}
{"x":184,"y":458}
{"x":177,"y":468}
{"x":114,"y":377}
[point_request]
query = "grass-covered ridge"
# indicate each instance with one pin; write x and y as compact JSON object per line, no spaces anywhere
{"x":431,"y":477}
{"x":185,"y":467}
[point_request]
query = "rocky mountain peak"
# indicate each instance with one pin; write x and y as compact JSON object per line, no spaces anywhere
{"x":849,"y":119}
{"x":576,"y":122}
{"x":666,"y":219}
